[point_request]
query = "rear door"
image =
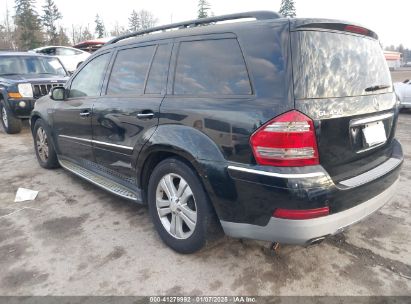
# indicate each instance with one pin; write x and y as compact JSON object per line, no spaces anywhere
{"x":128,"y":111}
{"x":342,"y":81}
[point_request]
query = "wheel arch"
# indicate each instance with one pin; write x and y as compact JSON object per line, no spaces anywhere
{"x":185,"y":143}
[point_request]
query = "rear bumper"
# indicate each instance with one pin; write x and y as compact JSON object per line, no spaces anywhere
{"x":260,"y":192}
{"x":302,"y":232}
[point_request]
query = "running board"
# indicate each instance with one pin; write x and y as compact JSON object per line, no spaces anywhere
{"x":100,"y":181}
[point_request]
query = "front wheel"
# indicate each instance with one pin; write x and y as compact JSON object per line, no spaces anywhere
{"x":179,"y":207}
{"x":45,"y":152}
{"x":11,"y":124}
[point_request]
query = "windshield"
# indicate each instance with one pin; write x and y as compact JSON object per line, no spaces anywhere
{"x":329,"y":64}
{"x":16,"y":65}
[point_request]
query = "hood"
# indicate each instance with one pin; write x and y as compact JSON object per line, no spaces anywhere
{"x":34,"y":78}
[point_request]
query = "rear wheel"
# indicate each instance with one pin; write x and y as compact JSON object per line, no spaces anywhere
{"x":179,"y":207}
{"x":10,"y":123}
{"x":45,"y":152}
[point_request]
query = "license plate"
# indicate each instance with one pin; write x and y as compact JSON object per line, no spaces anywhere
{"x":374,"y":134}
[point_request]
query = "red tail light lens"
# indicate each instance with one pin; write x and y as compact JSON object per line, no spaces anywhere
{"x":286,"y":141}
{"x":301,"y":214}
{"x":356,"y":29}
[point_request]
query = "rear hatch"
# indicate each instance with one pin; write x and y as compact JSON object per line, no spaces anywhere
{"x":342,"y":81}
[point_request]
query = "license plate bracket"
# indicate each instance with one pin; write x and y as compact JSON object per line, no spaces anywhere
{"x":374,"y":134}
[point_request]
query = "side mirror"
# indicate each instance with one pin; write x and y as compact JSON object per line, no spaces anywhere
{"x":58,"y":93}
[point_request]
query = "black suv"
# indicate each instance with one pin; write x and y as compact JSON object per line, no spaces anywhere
{"x":25,"y":77}
{"x":276,"y":129}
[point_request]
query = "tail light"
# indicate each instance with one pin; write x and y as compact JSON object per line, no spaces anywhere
{"x":301,"y":214}
{"x":286,"y":141}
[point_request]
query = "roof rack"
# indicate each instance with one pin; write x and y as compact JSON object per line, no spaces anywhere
{"x":258,"y":15}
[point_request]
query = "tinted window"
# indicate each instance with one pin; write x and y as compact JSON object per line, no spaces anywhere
{"x":158,"y":70}
{"x":211,"y":67}
{"x":89,"y":80}
{"x":130,"y":70}
{"x":337,"y":65}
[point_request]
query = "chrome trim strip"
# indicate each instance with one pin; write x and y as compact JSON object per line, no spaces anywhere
{"x":366,"y":120}
{"x":98,"y":142}
{"x":273,"y":174}
{"x":372,"y":174}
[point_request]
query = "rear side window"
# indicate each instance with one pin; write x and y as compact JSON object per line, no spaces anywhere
{"x":211,"y":67}
{"x":129,"y":71}
{"x":159,"y":70}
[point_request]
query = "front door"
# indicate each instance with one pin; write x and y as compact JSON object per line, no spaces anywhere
{"x":72,"y":117}
{"x":127,"y":114}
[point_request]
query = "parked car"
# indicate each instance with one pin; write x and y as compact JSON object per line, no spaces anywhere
{"x":403,"y":90}
{"x":71,"y":58}
{"x":25,"y":77}
{"x":307,"y":104}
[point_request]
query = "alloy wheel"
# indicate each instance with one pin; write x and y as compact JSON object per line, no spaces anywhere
{"x":176,"y":206}
{"x":42,"y":144}
{"x":4,"y":117}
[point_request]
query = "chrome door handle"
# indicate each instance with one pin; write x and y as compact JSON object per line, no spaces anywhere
{"x":145,"y":115}
{"x":85,"y":114}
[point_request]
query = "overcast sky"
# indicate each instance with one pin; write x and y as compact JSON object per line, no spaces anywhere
{"x":389,"y":19}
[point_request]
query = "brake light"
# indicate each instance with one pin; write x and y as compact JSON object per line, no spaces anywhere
{"x":356,"y":29}
{"x":301,"y":214}
{"x":286,"y":141}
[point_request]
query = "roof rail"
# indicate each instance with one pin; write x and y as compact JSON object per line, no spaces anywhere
{"x":258,"y":15}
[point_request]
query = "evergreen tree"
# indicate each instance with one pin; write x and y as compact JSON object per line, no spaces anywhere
{"x":50,"y":15}
{"x":100,"y":28}
{"x":203,"y":8}
{"x":287,"y":8}
{"x":28,"y":25}
{"x":134,"y":22}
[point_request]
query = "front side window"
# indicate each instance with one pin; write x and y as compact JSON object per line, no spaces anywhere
{"x":89,"y":80}
{"x":211,"y":67}
{"x":129,"y":71}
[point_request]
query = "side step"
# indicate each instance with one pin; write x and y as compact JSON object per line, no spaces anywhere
{"x":100,"y":181}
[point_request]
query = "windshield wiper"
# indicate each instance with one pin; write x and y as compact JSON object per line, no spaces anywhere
{"x":9,"y":74}
{"x":377,"y":87}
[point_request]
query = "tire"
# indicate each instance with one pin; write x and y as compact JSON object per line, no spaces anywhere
{"x":43,"y":145}
{"x":186,"y":238}
{"x":10,"y":123}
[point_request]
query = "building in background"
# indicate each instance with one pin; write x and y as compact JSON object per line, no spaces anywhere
{"x":394,"y":59}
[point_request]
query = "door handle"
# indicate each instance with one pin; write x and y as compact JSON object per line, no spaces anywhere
{"x":145,"y":114}
{"x":85,"y":114}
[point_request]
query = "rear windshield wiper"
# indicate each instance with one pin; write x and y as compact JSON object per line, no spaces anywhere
{"x":377,"y":87}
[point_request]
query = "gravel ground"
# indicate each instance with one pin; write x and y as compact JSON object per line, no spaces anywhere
{"x":76,"y":239}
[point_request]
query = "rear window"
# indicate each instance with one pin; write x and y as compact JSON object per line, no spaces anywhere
{"x":337,"y":65}
{"x":211,"y":67}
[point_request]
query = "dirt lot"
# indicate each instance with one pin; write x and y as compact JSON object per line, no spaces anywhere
{"x":76,"y":239}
